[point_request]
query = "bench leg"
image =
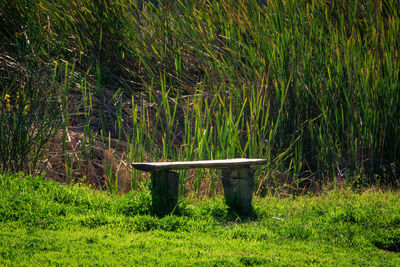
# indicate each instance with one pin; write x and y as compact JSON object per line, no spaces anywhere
{"x":238,"y":189}
{"x":164,"y":191}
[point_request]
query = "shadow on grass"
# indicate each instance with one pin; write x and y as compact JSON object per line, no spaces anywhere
{"x":391,"y":243}
{"x":219,"y":211}
{"x":234,"y":215}
{"x":226,"y":214}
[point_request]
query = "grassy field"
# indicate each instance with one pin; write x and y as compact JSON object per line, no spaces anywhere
{"x":43,"y":222}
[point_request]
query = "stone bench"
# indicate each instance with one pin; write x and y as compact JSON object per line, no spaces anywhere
{"x":237,"y":179}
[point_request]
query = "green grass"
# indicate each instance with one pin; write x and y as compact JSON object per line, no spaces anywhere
{"x":43,"y":222}
{"x":86,"y":87}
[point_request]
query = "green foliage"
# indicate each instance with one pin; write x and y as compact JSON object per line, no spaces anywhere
{"x":388,"y":240}
{"x":43,"y":222}
{"x":29,"y":116}
{"x":312,"y":86}
{"x":134,"y":203}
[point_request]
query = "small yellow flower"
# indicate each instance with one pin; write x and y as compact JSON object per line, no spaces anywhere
{"x":26,"y":109}
{"x":7,"y":100}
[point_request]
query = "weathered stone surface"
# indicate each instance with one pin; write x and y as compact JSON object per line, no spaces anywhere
{"x":239,"y":173}
{"x":237,"y":179}
{"x":164,"y":191}
{"x":215,"y":164}
{"x":238,"y":189}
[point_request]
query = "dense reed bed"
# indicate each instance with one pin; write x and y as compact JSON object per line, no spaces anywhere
{"x":312,"y":86}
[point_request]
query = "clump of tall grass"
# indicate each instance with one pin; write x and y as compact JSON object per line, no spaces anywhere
{"x":312,"y":86}
{"x":29,"y":116}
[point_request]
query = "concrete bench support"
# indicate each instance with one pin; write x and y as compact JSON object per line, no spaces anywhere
{"x":164,"y":191}
{"x":238,"y":188}
{"x":237,"y":179}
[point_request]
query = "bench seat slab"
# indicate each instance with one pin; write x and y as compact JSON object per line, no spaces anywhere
{"x":215,"y":164}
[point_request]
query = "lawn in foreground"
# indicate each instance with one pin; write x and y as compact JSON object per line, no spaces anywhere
{"x":104,"y":246}
{"x":44,"y":223}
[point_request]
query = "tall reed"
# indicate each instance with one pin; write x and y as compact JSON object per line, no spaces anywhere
{"x":312,"y":86}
